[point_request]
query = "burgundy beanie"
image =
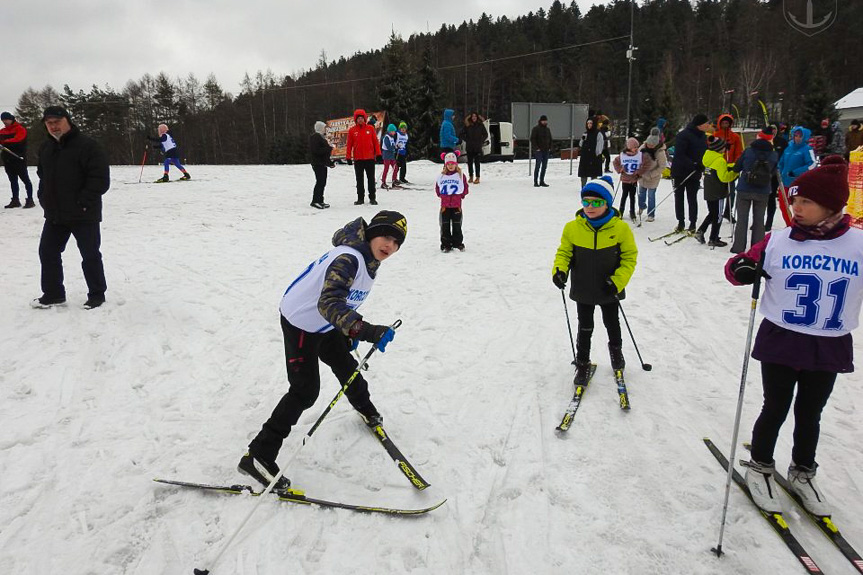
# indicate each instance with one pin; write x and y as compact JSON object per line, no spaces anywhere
{"x":826,"y":185}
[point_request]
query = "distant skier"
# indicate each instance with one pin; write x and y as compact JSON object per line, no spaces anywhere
{"x":320,"y":321}
{"x":686,"y":168}
{"x":451,"y":187}
{"x":631,"y":163}
{"x":717,"y":175}
{"x":598,"y":249}
{"x":171,"y":151}
{"x":402,"y":140}
{"x":812,"y":299}
{"x":389,"y":151}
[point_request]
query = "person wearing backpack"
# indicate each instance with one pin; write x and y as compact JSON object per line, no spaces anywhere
{"x":756,"y":167}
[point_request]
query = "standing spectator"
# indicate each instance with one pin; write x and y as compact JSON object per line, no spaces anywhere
{"x":655,"y":148}
{"x":540,"y":140}
{"x":448,"y":139}
{"x":475,"y":136}
{"x":171,"y":151}
{"x":798,"y":157}
{"x":606,"y":148}
{"x":73,"y":174}
{"x":451,"y":187}
{"x":320,"y":150}
{"x":837,"y":142}
{"x":590,"y":157}
{"x":630,"y":164}
{"x":768,"y":134}
{"x":716,"y":177}
{"x":853,"y":139}
{"x":661,"y":123}
{"x":402,"y":139}
{"x":756,"y":167}
{"x":388,"y":150}
{"x":13,"y":136}
{"x":362,"y":148}
{"x":686,"y":168}
{"x":733,"y":150}
{"x":822,"y":137}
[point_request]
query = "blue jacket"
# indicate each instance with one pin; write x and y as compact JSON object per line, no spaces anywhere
{"x":448,"y":139}
{"x":797,"y":158}
{"x":388,"y":147}
{"x":689,"y":147}
{"x":757,"y":150}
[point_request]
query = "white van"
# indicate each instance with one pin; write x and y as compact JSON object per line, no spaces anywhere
{"x":500,"y":145}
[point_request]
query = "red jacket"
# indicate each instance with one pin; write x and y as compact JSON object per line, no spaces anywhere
{"x":362,"y":141}
{"x":732,"y":138}
{"x":14,"y":137}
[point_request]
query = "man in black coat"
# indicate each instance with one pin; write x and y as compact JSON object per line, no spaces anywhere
{"x":320,"y":150}
{"x":540,"y":140}
{"x":73,"y":174}
{"x":686,"y":168}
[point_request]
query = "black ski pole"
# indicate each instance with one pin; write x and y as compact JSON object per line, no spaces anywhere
{"x":299,"y":448}
{"x":644,"y":366}
{"x":568,"y":325}
{"x":11,"y":153}
{"x":756,"y":289}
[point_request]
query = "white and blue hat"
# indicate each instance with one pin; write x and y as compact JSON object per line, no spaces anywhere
{"x":602,"y":187}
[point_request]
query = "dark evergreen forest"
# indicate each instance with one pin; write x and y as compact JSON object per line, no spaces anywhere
{"x":694,"y":56}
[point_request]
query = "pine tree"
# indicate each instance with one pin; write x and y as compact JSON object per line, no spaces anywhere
{"x":394,"y":86}
{"x":425,"y":108}
{"x":817,"y":103}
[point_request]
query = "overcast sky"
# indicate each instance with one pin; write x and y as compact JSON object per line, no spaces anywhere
{"x":86,"y":42}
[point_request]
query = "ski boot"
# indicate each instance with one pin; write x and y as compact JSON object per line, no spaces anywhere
{"x":186,"y":176}
{"x":762,"y":487}
{"x":615,"y":352}
{"x":373,"y":420}
{"x":162,"y":180}
{"x":263,"y":472}
{"x":699,"y":237}
{"x":802,"y":480}
{"x":582,"y":372}
{"x":717,"y":244}
{"x":46,"y":302}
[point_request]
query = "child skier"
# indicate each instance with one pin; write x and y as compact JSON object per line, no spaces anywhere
{"x":172,"y":153}
{"x":402,"y":156}
{"x":716,"y":177}
{"x":812,"y":298}
{"x":451,"y":187}
{"x":388,"y":150}
{"x":630,"y":164}
{"x":320,"y":321}
{"x":598,"y":248}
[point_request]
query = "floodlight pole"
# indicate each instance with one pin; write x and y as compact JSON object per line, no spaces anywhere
{"x":630,"y":55}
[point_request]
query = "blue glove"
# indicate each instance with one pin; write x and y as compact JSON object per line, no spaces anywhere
{"x":379,"y":335}
{"x":354,"y":343}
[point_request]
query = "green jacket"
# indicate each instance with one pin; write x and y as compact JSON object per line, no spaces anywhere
{"x":716,"y":175}
{"x":590,"y":256}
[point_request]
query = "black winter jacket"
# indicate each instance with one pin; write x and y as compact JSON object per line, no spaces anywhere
{"x":73,"y":174}
{"x":689,"y":147}
{"x":474,"y":136}
{"x":320,"y":150}
{"x":540,"y":137}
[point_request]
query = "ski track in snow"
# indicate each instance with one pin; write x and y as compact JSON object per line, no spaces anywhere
{"x":175,"y":374}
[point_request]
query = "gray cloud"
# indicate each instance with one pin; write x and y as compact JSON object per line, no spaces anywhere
{"x":86,"y":42}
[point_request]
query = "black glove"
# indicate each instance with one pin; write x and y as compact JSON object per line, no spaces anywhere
{"x":559,"y":279}
{"x":608,"y":287}
{"x":746,"y":270}
{"x":379,"y":159}
{"x":350,"y":162}
{"x":379,"y":335}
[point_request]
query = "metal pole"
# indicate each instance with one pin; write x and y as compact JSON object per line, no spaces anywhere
{"x":631,"y":57}
{"x":529,"y":127}
{"x":571,"y":134}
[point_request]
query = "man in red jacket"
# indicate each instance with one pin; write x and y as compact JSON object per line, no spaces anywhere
{"x":363,"y":147}
{"x":13,"y":137}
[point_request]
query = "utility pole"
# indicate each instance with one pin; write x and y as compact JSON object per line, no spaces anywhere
{"x":630,"y":55}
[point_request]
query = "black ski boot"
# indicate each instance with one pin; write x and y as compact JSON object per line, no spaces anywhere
{"x":162,"y":180}
{"x":263,"y":472}
{"x":615,"y":352}
{"x":373,"y":420}
{"x":582,"y":372}
{"x":186,"y":176}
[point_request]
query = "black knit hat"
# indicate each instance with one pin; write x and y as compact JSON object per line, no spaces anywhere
{"x":699,"y":119}
{"x":715,"y":144}
{"x":543,"y":118}
{"x":6,"y":116}
{"x":388,"y":223}
{"x":55,"y":112}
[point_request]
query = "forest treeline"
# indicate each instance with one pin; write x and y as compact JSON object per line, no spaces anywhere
{"x":706,"y":56}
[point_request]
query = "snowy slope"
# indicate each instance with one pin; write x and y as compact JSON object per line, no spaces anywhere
{"x":175,"y":374}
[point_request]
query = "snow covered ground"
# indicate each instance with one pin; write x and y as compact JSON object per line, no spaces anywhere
{"x":175,"y":374}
